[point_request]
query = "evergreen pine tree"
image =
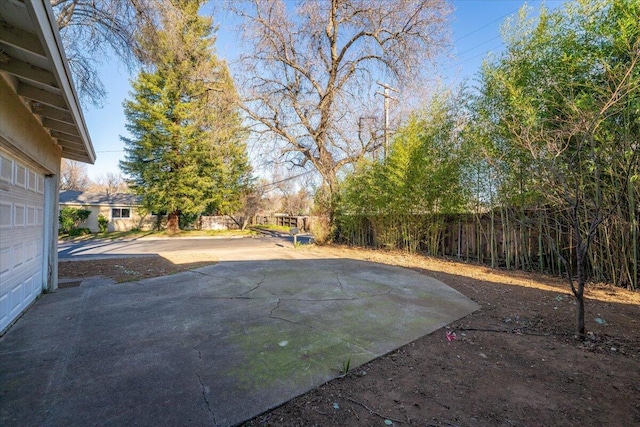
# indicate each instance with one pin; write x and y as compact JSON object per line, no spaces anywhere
{"x":187,"y":152}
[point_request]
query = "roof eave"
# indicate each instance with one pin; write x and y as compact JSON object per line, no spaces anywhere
{"x":35,"y":60}
{"x":42,"y":13}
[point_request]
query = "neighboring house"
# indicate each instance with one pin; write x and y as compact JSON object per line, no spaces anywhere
{"x":40,"y":122}
{"x":121,"y":209}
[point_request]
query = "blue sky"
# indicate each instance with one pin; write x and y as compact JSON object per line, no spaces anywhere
{"x":475,"y":31}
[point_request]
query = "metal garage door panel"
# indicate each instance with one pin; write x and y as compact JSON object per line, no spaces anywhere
{"x":21,"y":235}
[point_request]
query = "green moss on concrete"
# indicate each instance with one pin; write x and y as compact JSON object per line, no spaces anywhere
{"x":273,"y":355}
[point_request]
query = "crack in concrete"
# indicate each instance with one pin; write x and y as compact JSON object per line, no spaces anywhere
{"x":340,"y":283}
{"x":350,"y":298}
{"x":284,"y":319}
{"x":275,"y":308}
{"x":264,"y":276}
{"x":243,"y":297}
{"x":203,"y":274}
{"x":203,"y":387}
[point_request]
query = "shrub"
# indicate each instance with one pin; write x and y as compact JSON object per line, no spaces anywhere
{"x":321,"y":229}
{"x":187,"y":220}
{"x":79,"y":231}
{"x":71,"y":218}
{"x":103,"y":223}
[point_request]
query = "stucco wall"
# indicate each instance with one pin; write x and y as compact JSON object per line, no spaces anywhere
{"x":137,"y":220}
{"x":23,"y":135}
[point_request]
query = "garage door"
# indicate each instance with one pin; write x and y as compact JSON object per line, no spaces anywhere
{"x":21,"y":236}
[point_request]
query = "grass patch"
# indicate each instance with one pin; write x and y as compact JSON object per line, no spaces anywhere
{"x":271,"y":227}
{"x":206,"y":233}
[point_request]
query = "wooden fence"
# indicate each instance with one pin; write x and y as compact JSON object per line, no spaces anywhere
{"x":300,"y":222}
{"x":226,"y":222}
{"x":532,"y":240}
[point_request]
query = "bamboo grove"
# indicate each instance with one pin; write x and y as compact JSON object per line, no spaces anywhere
{"x":536,"y":168}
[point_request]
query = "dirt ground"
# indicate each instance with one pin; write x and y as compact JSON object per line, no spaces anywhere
{"x":132,"y":268}
{"x":515,"y":362}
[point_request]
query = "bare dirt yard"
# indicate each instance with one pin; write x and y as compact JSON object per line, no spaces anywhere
{"x":515,"y":362}
{"x":132,"y":268}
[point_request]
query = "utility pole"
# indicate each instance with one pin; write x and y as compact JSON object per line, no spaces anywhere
{"x":387,"y":96}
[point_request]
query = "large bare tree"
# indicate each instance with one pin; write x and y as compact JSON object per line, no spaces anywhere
{"x":73,"y":176}
{"x":93,"y":30}
{"x":109,"y":183}
{"x":308,"y":75}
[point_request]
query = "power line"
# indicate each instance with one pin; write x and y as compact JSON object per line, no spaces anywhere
{"x":486,"y":25}
{"x":479,"y":54}
{"x":462,"y":61}
{"x":480,"y":44}
{"x":474,"y":31}
{"x":285,"y":179}
{"x":483,"y":27}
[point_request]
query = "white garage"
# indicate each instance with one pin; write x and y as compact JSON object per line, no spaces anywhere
{"x":21,"y":238}
{"x":40,"y":122}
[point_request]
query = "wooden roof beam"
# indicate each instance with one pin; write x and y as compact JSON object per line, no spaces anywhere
{"x":20,"y":39}
{"x":42,"y":96}
{"x":29,"y":72}
{"x":46,"y":111}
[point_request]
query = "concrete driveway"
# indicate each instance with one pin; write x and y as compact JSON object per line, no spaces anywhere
{"x":214,"y":346}
{"x":221,"y":247}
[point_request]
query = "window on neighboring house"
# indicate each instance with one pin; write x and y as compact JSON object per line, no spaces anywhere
{"x":123,"y":213}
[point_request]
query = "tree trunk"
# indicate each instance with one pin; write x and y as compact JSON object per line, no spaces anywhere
{"x":579,"y":292}
{"x":173,"y":222}
{"x":330,"y":201}
{"x":580,"y":314}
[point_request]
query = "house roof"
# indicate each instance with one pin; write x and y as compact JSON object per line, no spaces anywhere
{"x":87,"y":199}
{"x":33,"y":62}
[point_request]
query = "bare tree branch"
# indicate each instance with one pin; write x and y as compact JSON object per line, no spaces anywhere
{"x":93,"y":30}
{"x":309,"y":73}
{"x":73,"y":176}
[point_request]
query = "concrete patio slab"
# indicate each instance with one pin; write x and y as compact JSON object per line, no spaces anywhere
{"x":214,"y":346}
